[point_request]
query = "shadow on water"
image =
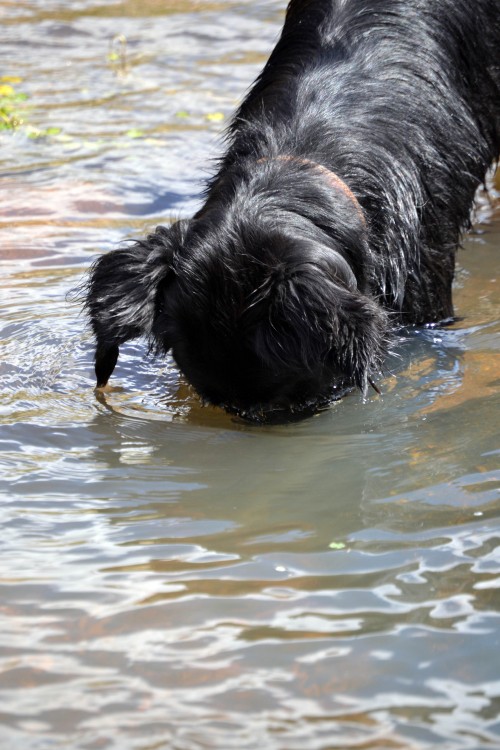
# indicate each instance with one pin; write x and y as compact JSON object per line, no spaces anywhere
{"x":170,"y":576}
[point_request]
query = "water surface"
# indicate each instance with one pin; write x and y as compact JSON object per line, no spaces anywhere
{"x":173,"y":578}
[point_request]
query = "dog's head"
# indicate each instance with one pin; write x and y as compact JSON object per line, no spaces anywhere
{"x":257,"y":320}
{"x":261,"y":321}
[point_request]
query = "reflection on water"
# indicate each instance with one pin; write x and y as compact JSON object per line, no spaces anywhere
{"x":169,"y":576}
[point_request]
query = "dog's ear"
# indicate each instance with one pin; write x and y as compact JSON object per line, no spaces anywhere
{"x":309,"y":316}
{"x":121,"y":293}
{"x":361,"y":337}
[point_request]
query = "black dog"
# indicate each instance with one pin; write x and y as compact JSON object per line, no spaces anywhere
{"x":335,"y":214}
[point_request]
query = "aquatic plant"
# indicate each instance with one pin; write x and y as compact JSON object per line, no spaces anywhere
{"x":11,"y":116}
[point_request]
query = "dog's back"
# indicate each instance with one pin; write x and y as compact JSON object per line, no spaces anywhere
{"x":398,"y":96}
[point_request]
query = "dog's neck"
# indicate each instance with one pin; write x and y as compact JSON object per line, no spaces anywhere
{"x":331,"y":178}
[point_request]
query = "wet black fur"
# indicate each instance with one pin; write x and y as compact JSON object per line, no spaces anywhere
{"x":277,"y":292}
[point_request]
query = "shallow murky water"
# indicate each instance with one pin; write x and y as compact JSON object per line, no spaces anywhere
{"x":169,"y":577}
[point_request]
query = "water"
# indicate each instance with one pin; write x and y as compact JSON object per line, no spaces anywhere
{"x":171,"y":578}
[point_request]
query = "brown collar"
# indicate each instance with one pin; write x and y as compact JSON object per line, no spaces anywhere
{"x":331,"y":177}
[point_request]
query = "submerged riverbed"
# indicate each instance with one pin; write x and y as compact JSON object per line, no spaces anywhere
{"x":171,"y":578}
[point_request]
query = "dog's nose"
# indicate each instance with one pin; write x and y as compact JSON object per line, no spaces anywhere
{"x":282,"y":403}
{"x":281,"y":410}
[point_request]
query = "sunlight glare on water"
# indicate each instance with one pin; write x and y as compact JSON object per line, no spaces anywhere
{"x":171,"y":577}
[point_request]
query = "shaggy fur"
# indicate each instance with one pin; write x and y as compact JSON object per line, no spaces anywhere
{"x":335,"y":213}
